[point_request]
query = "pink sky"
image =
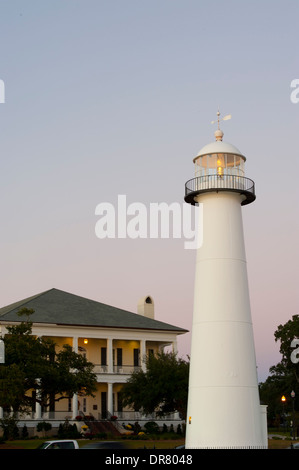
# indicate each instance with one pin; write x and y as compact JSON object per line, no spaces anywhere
{"x":107,"y":100}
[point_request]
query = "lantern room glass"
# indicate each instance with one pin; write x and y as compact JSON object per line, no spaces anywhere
{"x":219,"y":164}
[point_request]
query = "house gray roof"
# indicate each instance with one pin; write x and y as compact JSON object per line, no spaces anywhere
{"x":62,"y":308}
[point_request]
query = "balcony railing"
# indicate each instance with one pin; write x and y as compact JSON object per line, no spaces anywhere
{"x":68,"y":415}
{"x":137,"y":416}
{"x":116,"y":369}
{"x":203,"y":184}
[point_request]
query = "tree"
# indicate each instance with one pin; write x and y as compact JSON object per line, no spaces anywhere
{"x":33,"y":364}
{"x":286,"y":334}
{"x":162,"y":388}
{"x":284,"y":376}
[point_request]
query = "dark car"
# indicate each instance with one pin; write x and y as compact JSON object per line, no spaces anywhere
{"x":294,"y":446}
{"x":104,"y":445}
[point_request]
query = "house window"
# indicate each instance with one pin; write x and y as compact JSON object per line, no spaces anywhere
{"x":33,"y":408}
{"x":104,"y":405}
{"x":103,"y":356}
{"x":136,"y":355}
{"x":52,"y":402}
{"x":119,"y":402}
{"x":119,"y":352}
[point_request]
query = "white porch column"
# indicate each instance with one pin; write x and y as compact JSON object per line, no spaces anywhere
{"x":143,"y":354}
{"x":175,"y":347}
{"x":38,"y":411}
{"x":38,"y":408}
{"x":110,"y":399}
{"x":109,"y":355}
{"x":75,"y":405}
{"x":75,"y":344}
{"x":1,"y":412}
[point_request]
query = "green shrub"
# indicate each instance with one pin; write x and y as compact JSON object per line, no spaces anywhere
{"x":68,"y":431}
{"x":25,"y":433}
{"x":152,"y":427}
{"x":101,"y":435}
{"x":43,"y":426}
{"x":10,"y":428}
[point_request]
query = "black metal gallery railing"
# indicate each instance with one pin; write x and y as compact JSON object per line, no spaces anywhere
{"x":202,"y":184}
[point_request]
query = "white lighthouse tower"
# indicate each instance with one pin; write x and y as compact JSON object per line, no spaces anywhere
{"x":223,"y":403}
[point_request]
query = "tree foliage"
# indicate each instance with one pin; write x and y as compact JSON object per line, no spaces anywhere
{"x":162,"y":388}
{"x":284,"y":376}
{"x":32,"y":364}
{"x":286,"y":334}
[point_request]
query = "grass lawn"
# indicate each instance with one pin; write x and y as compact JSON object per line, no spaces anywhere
{"x":279,"y":443}
{"x":131,"y":444}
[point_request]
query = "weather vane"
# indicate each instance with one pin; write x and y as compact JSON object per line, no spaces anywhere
{"x":225,"y":118}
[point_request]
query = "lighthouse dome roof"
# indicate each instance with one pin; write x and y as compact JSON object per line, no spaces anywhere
{"x":219,"y":147}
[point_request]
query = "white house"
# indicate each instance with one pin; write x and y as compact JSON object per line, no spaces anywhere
{"x":114,"y":340}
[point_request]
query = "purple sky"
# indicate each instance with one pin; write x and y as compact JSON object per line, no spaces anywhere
{"x":106,"y":98}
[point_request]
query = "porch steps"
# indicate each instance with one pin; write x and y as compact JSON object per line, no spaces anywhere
{"x":103,"y":426}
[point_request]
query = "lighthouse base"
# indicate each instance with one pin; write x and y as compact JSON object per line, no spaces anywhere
{"x":218,"y":427}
